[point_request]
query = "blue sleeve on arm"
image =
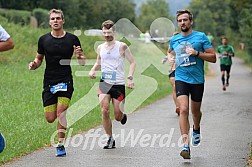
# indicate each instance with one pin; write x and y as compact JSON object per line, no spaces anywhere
{"x":171,"y":45}
{"x":206,"y":43}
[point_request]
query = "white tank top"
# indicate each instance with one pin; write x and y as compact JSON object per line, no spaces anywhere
{"x":112,"y":66}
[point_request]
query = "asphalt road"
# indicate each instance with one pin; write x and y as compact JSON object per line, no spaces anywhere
{"x":151,"y":136}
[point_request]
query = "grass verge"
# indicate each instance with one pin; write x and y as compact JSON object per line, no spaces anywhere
{"x":22,"y":118}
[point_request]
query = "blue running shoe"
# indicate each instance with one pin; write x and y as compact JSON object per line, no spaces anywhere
{"x":185,"y":153}
{"x":196,"y":137}
{"x":2,"y":143}
{"x":60,"y":150}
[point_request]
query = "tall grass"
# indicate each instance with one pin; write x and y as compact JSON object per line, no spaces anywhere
{"x":245,"y":56}
{"x":21,"y":112}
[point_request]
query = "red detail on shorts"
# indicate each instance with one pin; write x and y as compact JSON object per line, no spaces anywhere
{"x":99,"y":91}
{"x":121,"y":97}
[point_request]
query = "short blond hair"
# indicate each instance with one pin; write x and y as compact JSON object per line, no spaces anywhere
{"x":56,"y":11}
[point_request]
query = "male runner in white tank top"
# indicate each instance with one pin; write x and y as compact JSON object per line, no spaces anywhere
{"x":110,"y":59}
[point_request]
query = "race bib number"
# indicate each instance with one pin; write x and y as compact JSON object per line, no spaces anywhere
{"x":186,"y":60}
{"x":182,"y":58}
{"x":111,"y":76}
{"x":59,"y":87}
{"x":224,"y":55}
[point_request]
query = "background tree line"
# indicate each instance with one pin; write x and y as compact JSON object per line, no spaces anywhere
{"x":91,"y":13}
{"x":231,"y":18}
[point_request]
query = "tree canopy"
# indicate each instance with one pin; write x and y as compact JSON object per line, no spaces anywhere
{"x":150,"y":11}
{"x":78,"y":13}
{"x":231,"y":18}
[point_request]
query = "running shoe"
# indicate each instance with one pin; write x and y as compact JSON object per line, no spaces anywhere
{"x":110,"y":144}
{"x":60,"y":150}
{"x":224,"y":88}
{"x":2,"y":143}
{"x":124,"y":119}
{"x":196,"y":137}
{"x":185,"y":153}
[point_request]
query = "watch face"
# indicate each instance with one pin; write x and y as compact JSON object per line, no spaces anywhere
{"x":130,"y":78}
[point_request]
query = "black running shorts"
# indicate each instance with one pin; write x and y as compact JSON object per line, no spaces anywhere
{"x":225,"y":68}
{"x":50,"y":100}
{"x":115,"y":91}
{"x":195,"y":90}
{"x":172,"y":74}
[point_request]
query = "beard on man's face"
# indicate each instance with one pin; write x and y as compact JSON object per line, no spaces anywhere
{"x":109,"y":38}
{"x":185,"y":29}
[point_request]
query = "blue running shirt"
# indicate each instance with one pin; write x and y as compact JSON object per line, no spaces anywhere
{"x":189,"y":69}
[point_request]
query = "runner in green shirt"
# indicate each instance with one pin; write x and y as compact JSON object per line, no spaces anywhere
{"x":226,"y":52}
{"x":210,"y":37}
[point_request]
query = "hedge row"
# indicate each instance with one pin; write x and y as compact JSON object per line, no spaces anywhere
{"x":23,"y":17}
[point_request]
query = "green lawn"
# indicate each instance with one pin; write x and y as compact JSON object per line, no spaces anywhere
{"x":22,"y":118}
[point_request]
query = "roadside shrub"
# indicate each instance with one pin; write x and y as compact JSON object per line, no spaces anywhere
{"x":21,"y":17}
{"x":42,"y":17}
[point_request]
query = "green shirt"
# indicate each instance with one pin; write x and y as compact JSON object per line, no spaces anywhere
{"x":211,"y":38}
{"x":224,"y":58}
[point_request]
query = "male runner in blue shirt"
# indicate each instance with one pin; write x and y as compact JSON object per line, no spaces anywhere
{"x":191,"y":49}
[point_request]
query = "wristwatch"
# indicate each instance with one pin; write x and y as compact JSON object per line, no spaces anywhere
{"x":130,"y":78}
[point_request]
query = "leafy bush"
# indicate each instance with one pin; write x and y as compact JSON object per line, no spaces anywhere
{"x":21,"y":17}
{"x":42,"y":17}
{"x":3,"y":19}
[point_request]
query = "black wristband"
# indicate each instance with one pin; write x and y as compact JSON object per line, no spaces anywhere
{"x":130,"y":78}
{"x":197,"y":53}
